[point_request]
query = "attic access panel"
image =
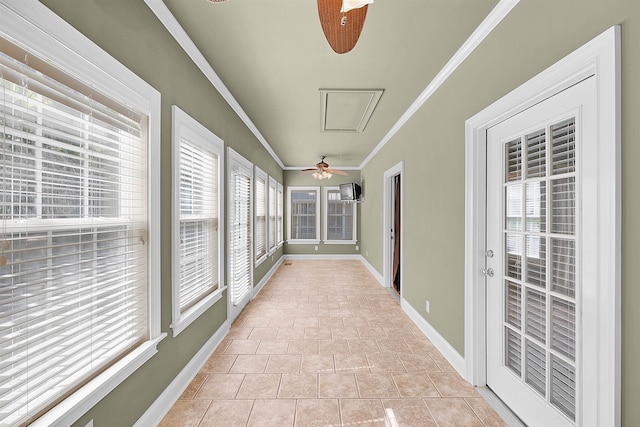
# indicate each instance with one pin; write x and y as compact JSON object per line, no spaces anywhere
{"x":347,"y":110}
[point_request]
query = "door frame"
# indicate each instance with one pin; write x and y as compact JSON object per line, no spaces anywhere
{"x":600,"y":58}
{"x":233,"y":157}
{"x":387,"y":243}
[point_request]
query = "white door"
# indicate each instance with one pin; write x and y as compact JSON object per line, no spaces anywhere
{"x":539,"y":211}
{"x":240,"y":176}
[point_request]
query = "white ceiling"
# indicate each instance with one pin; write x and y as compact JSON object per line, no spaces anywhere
{"x":270,"y":59}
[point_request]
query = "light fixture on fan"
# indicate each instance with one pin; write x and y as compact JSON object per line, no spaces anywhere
{"x":322,"y":171}
{"x":342,"y":22}
{"x":322,"y":175}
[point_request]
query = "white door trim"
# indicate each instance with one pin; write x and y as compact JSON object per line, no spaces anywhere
{"x":398,"y":169}
{"x":599,"y":57}
{"x":235,"y":158}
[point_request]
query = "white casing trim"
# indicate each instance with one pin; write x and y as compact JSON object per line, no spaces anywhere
{"x":599,"y":57}
{"x":30,"y":23}
{"x":235,"y":159}
{"x":291,"y":189}
{"x":185,"y":125}
{"x":388,"y":212}
{"x":161,"y":406}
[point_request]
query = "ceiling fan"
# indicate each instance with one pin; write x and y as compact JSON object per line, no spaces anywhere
{"x":322,"y":171}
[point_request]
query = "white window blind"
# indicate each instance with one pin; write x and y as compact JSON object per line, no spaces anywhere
{"x":272,"y":214}
{"x":240,"y":241}
{"x":280,"y":214}
{"x":304,"y":217}
{"x":74,"y":275}
{"x":541,"y":305}
{"x":340,"y":218}
{"x":198,"y":223}
{"x":260,"y":214}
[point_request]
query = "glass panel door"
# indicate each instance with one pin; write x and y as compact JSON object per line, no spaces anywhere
{"x":240,"y":242}
{"x":533,"y":297}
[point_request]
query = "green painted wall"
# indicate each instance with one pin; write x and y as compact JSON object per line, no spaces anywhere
{"x":131,"y":33}
{"x":534,"y":36}
{"x":297,"y":178}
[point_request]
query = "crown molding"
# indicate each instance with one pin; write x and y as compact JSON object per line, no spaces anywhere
{"x":492,"y":20}
{"x":502,"y":9}
{"x":167,"y":19}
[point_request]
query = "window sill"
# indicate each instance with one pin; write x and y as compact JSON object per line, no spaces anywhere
{"x":260,"y":260}
{"x":75,"y":406}
{"x":340,"y":242}
{"x":196,"y":311}
{"x":303,"y":242}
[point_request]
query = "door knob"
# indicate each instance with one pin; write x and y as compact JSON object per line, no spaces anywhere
{"x":487,"y":272}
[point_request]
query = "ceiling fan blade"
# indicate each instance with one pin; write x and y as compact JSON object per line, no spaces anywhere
{"x":309,"y":170}
{"x":337,"y":172}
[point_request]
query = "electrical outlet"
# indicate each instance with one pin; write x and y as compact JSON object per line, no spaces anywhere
{"x":357,"y":248}
{"x":315,"y":248}
{"x":366,"y":253}
{"x":426,"y":306}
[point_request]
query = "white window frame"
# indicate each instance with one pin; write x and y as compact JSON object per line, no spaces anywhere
{"x":260,"y":174}
{"x":236,"y":160}
{"x":280,"y":215}
{"x":290,"y":240}
{"x":272,"y":203}
{"x":328,"y":241}
{"x":31,"y":24}
{"x":185,"y":125}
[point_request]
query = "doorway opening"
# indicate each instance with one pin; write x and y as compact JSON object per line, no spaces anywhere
{"x":393,"y":228}
{"x":395,"y":268}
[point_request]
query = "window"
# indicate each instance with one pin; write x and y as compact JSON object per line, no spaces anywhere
{"x":340,"y":218}
{"x":240,"y":278}
{"x":273,"y":201}
{"x":196,"y":228}
{"x":304,"y":215}
{"x":280,"y":216}
{"x":261,"y":206}
{"x":79,"y":277}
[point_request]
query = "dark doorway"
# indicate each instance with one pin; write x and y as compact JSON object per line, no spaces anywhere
{"x":396,"y":234}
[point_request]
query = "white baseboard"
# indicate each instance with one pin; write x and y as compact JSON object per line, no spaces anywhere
{"x":450,"y":353}
{"x":158,"y":409}
{"x":372,"y":270}
{"x":258,"y":287}
{"x":309,"y":257}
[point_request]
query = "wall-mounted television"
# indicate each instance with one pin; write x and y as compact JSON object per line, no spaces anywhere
{"x":350,"y":191}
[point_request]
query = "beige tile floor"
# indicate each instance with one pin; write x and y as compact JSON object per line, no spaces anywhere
{"x":324,"y":344}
